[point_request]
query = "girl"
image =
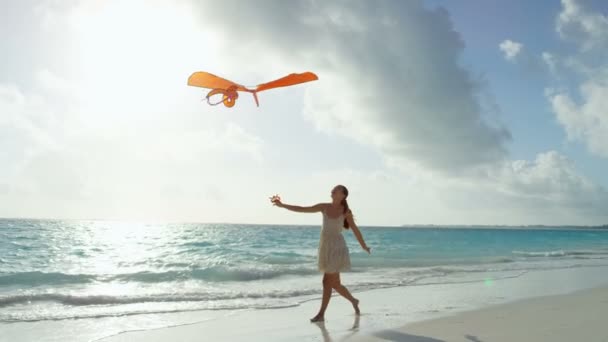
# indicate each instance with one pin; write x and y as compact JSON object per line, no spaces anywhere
{"x":333,"y":253}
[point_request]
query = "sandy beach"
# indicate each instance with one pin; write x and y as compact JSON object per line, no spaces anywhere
{"x":579,"y":316}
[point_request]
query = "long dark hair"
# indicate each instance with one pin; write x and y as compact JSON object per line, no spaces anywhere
{"x":345,"y":204}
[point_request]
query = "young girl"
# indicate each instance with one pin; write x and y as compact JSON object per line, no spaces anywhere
{"x":333,"y":253}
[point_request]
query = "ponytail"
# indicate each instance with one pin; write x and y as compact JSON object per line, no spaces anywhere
{"x":346,"y":211}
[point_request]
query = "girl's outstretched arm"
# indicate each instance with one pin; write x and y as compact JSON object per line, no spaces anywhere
{"x":357,"y":232}
{"x":276,"y":200}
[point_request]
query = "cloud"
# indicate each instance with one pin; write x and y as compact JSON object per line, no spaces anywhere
{"x":511,"y":49}
{"x":546,"y":190}
{"x":550,"y":61}
{"x":587,"y":121}
{"x":551,"y":178}
{"x":58,"y":165}
{"x":236,"y":138}
{"x":37,"y":171}
{"x":583,"y":114}
{"x":390,"y":75}
{"x":24,"y":123}
{"x":586,"y":28}
{"x":545,"y":64}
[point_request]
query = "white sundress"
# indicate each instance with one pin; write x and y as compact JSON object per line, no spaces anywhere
{"x":333,"y":253}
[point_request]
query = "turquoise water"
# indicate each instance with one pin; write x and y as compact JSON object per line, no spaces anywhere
{"x":87,"y":269}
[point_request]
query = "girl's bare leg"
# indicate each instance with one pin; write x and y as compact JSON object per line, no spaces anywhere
{"x":341,"y":289}
{"x":327,"y":289}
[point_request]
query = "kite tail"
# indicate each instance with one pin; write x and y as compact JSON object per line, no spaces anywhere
{"x":229,"y":96}
{"x":255,"y":96}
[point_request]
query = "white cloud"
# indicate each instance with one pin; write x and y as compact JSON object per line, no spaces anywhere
{"x":24,"y":121}
{"x":587,"y":28}
{"x":511,"y":49}
{"x":584,"y":115}
{"x":587,"y":121}
{"x":550,"y":61}
{"x":550,"y":179}
{"x":240,"y":140}
{"x":547,"y":190}
{"x":531,"y":64}
{"x":59,"y":165}
{"x":390,"y":75}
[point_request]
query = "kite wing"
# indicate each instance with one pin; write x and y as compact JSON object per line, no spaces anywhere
{"x":289,"y":80}
{"x":206,"y":80}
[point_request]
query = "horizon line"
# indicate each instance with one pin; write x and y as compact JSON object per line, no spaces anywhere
{"x":408,"y":225}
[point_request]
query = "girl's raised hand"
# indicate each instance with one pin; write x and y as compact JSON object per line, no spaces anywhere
{"x":276,"y":200}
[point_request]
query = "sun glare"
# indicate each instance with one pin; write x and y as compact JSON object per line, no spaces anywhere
{"x":130,"y":52}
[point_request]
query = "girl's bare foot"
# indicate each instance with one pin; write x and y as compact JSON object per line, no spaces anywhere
{"x":356,"y":306}
{"x":317,"y":318}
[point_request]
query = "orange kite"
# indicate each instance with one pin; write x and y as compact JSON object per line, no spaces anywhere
{"x":229,"y":90}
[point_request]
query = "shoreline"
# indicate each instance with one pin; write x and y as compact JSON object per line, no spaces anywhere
{"x":415,"y":310}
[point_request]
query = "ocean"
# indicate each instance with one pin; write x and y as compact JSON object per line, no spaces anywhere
{"x":53,"y":270}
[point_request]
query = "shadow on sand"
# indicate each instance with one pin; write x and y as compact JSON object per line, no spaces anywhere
{"x":389,"y":335}
{"x":398,"y":336}
{"x":325,"y":333}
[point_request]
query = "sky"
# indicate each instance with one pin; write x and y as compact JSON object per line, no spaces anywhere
{"x":430,"y":112}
